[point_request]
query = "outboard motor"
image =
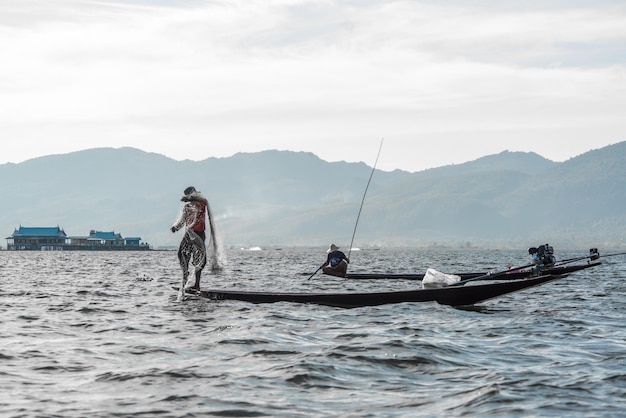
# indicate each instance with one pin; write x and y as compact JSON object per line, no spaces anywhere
{"x":594,"y":254}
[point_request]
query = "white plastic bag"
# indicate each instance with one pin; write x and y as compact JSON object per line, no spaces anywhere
{"x":434,"y":279}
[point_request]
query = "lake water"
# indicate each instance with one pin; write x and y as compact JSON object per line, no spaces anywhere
{"x":86,"y":334}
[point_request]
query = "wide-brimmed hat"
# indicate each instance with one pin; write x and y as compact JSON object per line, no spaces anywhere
{"x":332,"y":248}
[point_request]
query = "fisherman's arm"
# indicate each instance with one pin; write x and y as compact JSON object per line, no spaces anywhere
{"x":180,"y":222}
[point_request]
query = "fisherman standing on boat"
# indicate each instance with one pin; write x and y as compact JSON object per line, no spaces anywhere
{"x":192,"y":247}
{"x":336,"y":262}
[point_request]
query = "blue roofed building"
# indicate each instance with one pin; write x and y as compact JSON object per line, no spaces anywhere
{"x":37,"y":238}
{"x":106,"y":238}
{"x":132,"y":241}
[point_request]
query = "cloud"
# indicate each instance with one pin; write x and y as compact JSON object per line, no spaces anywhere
{"x":144,"y":73}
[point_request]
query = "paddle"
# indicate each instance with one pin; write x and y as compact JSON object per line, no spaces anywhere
{"x":318,"y":269}
{"x":593,"y":254}
{"x":611,"y":255}
{"x":570,"y":260}
{"x":492,"y":275}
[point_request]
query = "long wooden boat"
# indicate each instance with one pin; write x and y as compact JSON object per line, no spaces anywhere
{"x":512,"y":275}
{"x":453,"y":295}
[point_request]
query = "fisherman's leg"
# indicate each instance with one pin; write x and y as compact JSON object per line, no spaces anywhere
{"x":196,"y":285}
{"x":342,"y":268}
{"x":198,"y":274}
{"x":184,"y":257}
{"x":199,"y":262}
{"x":334,"y":271}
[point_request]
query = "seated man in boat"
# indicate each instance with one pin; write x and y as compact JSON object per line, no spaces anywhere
{"x":543,"y":257}
{"x":336,"y":262}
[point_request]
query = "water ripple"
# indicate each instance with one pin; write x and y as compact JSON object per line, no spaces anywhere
{"x":101,"y":335}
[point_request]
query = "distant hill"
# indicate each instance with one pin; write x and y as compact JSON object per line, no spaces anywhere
{"x":283,"y":198}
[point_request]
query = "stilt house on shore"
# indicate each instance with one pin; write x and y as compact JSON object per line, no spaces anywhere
{"x":55,"y":239}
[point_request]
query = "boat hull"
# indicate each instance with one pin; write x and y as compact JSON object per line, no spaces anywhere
{"x":453,"y":295}
{"x":512,"y":275}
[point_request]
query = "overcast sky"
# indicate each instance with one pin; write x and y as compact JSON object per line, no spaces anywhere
{"x":443,"y":82}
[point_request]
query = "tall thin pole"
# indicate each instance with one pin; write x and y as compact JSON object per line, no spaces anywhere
{"x":364,"y":193}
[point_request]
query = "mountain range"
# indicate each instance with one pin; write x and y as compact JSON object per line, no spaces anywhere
{"x":283,"y":198}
